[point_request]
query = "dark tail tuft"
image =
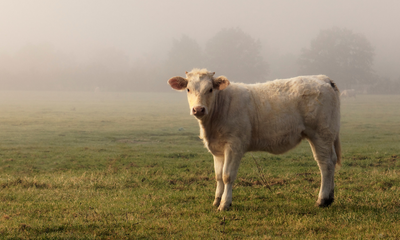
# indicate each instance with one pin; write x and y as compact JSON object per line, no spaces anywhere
{"x":334,"y":85}
{"x":338,"y":150}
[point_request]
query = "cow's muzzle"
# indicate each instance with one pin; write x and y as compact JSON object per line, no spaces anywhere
{"x":199,"y":111}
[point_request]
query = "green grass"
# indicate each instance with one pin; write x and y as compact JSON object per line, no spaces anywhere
{"x":129,"y":165}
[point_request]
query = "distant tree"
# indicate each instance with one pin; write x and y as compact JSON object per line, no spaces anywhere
{"x":35,"y":67}
{"x":344,"y":56}
{"x":237,"y":55}
{"x":107,"y":68}
{"x":112,"y":59}
{"x":184,"y":55}
{"x":283,"y":66}
{"x":385,"y":86}
{"x":148,"y":74}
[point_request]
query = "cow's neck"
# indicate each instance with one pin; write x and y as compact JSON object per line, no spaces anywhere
{"x":210,"y":122}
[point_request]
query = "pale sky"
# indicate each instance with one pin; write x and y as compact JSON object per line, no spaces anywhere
{"x":148,"y":26}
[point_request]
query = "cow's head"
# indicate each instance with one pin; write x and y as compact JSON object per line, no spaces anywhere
{"x":201,"y":87}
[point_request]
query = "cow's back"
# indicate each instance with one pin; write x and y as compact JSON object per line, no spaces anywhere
{"x":286,"y":110}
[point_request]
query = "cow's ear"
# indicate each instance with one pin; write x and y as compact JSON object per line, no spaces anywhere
{"x":178,"y":83}
{"x":220,"y":82}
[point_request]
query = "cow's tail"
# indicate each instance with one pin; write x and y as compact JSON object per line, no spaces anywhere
{"x":334,"y":86}
{"x":336,"y":143}
{"x":338,"y":151}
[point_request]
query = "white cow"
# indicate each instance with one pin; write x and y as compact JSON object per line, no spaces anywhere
{"x":275,"y":116}
{"x":348,"y":93}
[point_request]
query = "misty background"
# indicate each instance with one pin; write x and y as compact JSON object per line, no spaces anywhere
{"x":138,"y":45}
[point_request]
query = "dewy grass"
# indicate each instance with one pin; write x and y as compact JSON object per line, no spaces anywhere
{"x":127,"y":165}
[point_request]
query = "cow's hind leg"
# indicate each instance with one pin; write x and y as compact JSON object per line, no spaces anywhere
{"x":324,"y":154}
{"x":218,"y":167}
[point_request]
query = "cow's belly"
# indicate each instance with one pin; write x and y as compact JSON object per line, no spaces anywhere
{"x":277,"y":144}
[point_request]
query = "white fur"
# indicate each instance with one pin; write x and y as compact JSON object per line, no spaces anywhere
{"x":274,"y":117}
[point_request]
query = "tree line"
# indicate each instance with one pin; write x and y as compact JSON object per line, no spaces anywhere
{"x":343,"y":55}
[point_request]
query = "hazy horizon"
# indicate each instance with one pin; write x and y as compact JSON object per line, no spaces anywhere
{"x":145,"y":30}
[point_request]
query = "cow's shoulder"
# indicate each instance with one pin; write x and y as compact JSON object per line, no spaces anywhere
{"x":236,"y":94}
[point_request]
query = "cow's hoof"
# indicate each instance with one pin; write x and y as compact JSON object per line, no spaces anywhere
{"x":224,"y":206}
{"x":325,"y":202}
{"x":217,"y":202}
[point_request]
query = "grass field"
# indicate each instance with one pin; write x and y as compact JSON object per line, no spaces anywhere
{"x":131,"y":166}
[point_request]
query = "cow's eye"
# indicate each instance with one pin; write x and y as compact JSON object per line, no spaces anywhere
{"x":188,"y":90}
{"x":211,"y":90}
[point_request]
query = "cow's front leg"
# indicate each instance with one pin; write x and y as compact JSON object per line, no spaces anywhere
{"x":229,"y":172}
{"x":218,"y":166}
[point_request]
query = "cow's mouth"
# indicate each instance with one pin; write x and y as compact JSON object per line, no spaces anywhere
{"x":199,"y":116}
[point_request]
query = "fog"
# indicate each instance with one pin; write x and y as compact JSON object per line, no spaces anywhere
{"x":138,"y":45}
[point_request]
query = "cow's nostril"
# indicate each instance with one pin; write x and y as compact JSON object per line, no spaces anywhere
{"x":199,"y":111}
